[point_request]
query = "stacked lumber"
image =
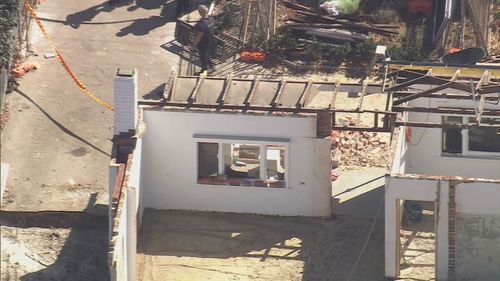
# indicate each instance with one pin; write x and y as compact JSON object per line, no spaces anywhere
{"x":306,"y":23}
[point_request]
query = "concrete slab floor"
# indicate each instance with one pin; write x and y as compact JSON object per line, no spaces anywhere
{"x":182,"y":245}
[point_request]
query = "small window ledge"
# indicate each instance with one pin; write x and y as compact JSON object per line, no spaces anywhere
{"x":236,"y":182}
{"x":474,"y":156}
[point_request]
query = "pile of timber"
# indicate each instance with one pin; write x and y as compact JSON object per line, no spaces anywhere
{"x":307,"y":23}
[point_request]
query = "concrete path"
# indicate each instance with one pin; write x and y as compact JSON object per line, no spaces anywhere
{"x":57,"y":140}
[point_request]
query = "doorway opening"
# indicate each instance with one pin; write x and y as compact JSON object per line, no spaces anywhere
{"x":417,"y":240}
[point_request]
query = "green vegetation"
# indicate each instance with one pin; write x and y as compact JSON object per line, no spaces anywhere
{"x":340,"y":53}
{"x":282,"y":41}
{"x":314,"y":50}
{"x":9,"y":14}
{"x":230,"y":16}
{"x":404,"y":53}
{"x":363,"y":51}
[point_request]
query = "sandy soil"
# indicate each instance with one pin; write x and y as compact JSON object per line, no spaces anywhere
{"x":176,"y":245}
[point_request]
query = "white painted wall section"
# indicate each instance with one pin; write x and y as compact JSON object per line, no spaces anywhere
{"x":424,"y":151}
{"x":169,"y":165}
{"x":478,"y":198}
{"x":419,"y":190}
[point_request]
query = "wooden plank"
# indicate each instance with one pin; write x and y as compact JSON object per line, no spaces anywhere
{"x":441,"y":125}
{"x":480,"y":109}
{"x":490,"y":89}
{"x":360,"y":104}
{"x":276,"y":98}
{"x":463,"y":10}
{"x":334,"y":96}
{"x":242,"y":107}
{"x":363,"y":92}
{"x":194,"y":94}
{"x":291,"y":4}
{"x":248,"y":7}
{"x":227,"y":86}
{"x":305,"y":95}
{"x":250,"y":95}
{"x":443,"y":110}
{"x":421,"y":94}
{"x":170,"y":85}
{"x":348,"y":24}
{"x":405,"y":84}
{"x":445,"y":96}
{"x":429,"y":79}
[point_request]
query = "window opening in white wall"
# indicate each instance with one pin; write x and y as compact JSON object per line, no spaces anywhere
{"x":208,"y":165}
{"x":481,"y":140}
{"x":238,"y":164}
{"x":452,"y":137}
{"x":275,"y":162}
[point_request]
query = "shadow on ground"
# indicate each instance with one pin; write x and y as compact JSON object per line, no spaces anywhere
{"x":138,"y":27}
{"x":84,"y":254}
{"x":327,"y":249}
{"x":59,"y":125}
{"x":76,"y":19}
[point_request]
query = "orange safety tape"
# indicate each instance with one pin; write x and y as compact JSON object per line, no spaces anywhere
{"x":64,"y":64}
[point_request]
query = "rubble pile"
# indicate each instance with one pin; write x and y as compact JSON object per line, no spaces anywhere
{"x":360,"y":149}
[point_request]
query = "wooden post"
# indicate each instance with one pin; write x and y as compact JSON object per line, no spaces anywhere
{"x":248,"y":6}
{"x":463,"y":9}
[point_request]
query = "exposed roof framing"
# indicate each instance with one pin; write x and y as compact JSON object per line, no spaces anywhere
{"x":477,"y":86}
{"x":286,"y":96}
{"x":442,"y":83}
{"x":272,"y":96}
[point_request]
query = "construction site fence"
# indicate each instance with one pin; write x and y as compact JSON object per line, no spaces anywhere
{"x":19,"y":46}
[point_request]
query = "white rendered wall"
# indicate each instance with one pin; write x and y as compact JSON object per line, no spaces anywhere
{"x":134,"y":180}
{"x":424,"y":151}
{"x":418,"y":190}
{"x":478,"y":231}
{"x":400,"y":153}
{"x":478,"y":198}
{"x":128,"y":218}
{"x":169,"y":164}
{"x":472,"y":199}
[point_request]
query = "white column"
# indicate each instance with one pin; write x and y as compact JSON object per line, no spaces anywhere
{"x":125,"y":100}
{"x":263,"y":162}
{"x":442,"y":232}
{"x":390,"y":232}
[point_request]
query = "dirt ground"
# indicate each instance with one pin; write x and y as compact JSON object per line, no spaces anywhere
{"x":57,"y":140}
{"x":53,"y":246}
{"x":177,"y":245}
{"x":185,"y":245}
